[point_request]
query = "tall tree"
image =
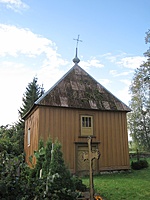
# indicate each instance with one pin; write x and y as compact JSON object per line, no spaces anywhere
{"x":139,"y":118}
{"x":33,"y":92}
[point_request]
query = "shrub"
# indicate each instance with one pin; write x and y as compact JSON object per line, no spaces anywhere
{"x":56,"y":182}
{"x":144,"y":163}
{"x":19,"y":182}
{"x":63,"y":183}
{"x":139,"y":164}
{"x":78,"y":184}
{"x":13,"y":172}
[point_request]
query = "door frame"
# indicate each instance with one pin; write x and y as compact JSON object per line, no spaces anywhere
{"x":84,"y":144}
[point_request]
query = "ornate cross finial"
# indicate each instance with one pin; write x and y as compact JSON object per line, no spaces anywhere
{"x":78,"y":41}
{"x":76,"y":60}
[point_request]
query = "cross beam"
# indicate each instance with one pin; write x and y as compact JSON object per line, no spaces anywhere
{"x":78,"y":41}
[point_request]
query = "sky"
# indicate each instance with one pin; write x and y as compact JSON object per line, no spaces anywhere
{"x":37,"y":40}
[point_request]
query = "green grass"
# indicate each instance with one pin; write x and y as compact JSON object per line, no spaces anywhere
{"x":134,"y":185}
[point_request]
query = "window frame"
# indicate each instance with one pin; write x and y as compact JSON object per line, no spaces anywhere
{"x":29,"y":137}
{"x":86,"y":125}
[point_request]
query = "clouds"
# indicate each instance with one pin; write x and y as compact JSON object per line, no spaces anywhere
{"x":131,"y":62}
{"x":114,"y":73}
{"x":15,"y":5}
{"x":13,"y":80}
{"x":16,"y":40}
{"x":122,"y":59}
{"x":25,"y":54}
{"x":121,"y":73}
{"x":125,"y":67}
{"x":105,"y":82}
{"x":93,"y":62}
{"x":22,"y":48}
{"x":125,"y":64}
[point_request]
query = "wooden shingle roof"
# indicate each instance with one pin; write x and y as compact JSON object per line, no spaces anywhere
{"x":77,"y":89}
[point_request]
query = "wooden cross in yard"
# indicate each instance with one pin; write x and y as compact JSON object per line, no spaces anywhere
{"x":90,"y":156}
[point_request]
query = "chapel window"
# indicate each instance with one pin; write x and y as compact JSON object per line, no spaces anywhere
{"x":86,"y":125}
{"x":29,"y":135}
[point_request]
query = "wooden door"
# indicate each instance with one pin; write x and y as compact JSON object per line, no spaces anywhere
{"x":83,"y":166}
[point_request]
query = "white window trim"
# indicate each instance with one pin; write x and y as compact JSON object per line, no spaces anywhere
{"x":29,"y":137}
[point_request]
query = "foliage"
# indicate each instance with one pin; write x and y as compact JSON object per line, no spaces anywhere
{"x":56,"y":181}
{"x":49,"y":179}
{"x":32,"y":93}
{"x":63,"y":183}
{"x":13,"y":179}
{"x":132,"y":146}
{"x":17,"y":181}
{"x":12,"y":136}
{"x":138,"y":119}
{"x":10,"y":140}
{"x":57,"y":165}
{"x":79,"y":184}
{"x":126,"y":185}
{"x":139,"y":164}
{"x":147,"y":40}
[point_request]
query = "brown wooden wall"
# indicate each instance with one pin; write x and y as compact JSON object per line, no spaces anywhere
{"x":110,"y":134}
{"x":31,"y":122}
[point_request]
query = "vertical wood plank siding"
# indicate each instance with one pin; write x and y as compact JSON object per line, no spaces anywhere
{"x":31,"y":122}
{"x":110,"y":129}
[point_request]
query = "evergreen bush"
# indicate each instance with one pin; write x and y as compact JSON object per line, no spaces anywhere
{"x":19,"y":182}
{"x":79,"y":184}
{"x":139,"y":164}
{"x":63,"y":184}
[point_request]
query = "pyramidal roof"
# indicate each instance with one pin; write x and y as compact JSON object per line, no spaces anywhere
{"x":77,"y":89}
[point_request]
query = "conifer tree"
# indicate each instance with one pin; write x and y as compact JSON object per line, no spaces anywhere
{"x":63,"y":182}
{"x":47,"y":157}
{"x":56,"y":181}
{"x":33,"y":92}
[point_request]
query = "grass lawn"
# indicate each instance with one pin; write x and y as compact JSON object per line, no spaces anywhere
{"x":134,"y":185}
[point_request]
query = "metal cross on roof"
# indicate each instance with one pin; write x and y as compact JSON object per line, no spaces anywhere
{"x":78,"y":41}
{"x":76,"y":60}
